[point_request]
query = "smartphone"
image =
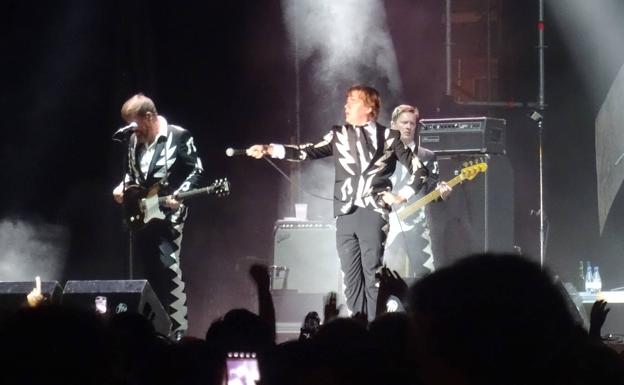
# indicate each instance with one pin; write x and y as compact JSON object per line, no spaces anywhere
{"x":100,"y":304}
{"x":242,"y":368}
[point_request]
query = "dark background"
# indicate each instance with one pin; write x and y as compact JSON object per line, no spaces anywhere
{"x":224,"y":70}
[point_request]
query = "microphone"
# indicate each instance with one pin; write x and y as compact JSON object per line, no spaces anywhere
{"x":124,"y":132}
{"x":234,"y":151}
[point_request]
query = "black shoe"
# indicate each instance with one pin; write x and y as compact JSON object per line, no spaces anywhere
{"x":178,"y":335}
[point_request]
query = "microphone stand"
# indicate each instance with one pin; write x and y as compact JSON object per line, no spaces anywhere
{"x":540,"y":127}
{"x":539,"y":119}
{"x":125,"y":141}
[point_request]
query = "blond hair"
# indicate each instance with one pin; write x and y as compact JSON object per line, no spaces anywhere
{"x":398,"y":110}
{"x":138,"y":104}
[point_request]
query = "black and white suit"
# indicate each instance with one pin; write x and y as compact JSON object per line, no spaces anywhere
{"x":409,"y":240}
{"x":175,"y":165}
{"x":364,"y":159}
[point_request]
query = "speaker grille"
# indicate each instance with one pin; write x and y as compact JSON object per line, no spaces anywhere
{"x":308,"y":251}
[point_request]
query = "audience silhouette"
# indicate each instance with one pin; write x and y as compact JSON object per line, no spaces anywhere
{"x":485,"y":320}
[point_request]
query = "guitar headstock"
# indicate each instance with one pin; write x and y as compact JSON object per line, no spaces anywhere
{"x":220,"y":187}
{"x":473,"y":168}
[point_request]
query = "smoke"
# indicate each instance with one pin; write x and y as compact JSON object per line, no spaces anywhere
{"x":348,"y":41}
{"x":31,"y":249}
{"x":336,"y":44}
{"x":593,"y":31}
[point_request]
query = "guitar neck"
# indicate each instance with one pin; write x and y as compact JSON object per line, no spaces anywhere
{"x":188,"y":194}
{"x":435,"y":194}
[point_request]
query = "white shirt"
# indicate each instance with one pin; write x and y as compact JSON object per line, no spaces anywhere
{"x":149,"y":149}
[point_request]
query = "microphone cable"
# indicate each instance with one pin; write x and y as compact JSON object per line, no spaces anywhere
{"x":292,"y":183}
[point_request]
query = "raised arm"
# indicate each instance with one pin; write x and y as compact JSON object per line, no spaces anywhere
{"x":297,"y":152}
{"x":266,"y":309}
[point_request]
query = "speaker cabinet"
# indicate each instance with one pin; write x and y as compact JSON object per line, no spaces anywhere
{"x":121,"y":296}
{"x":307,"y":250}
{"x":479,"y":214}
{"x":13,"y":294}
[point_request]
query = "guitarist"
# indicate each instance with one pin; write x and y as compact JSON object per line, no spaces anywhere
{"x":161,"y":156}
{"x":409,"y":239}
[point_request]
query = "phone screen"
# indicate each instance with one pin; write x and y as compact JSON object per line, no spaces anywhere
{"x":242,"y":369}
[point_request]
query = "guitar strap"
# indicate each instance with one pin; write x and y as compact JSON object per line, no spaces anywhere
{"x":166,"y":177}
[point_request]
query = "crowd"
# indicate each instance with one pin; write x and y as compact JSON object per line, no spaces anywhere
{"x":487,"y":319}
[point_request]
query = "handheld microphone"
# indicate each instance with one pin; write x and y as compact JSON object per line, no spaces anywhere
{"x":124,"y":132}
{"x":234,"y":151}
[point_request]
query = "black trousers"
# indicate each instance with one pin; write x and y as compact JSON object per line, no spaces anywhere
{"x":360,"y":238}
{"x":157,"y":257}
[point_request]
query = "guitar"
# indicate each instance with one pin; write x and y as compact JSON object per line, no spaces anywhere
{"x":469,"y":172}
{"x":143,"y":205}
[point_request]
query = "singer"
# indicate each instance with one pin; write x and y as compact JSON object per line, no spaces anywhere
{"x":161,"y":157}
{"x":365,"y":155}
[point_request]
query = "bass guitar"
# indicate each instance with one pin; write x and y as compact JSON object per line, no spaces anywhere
{"x":142,"y":205}
{"x":469,"y":172}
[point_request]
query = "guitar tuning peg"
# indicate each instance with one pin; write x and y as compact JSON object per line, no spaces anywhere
{"x":464,"y":164}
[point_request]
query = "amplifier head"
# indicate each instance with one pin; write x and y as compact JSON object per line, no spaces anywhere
{"x":463,"y":135}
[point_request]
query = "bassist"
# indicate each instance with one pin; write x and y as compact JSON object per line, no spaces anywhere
{"x":410,"y":239}
{"x":161,"y":158}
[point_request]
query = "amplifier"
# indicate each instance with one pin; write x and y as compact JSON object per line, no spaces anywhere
{"x":306,"y":250}
{"x":463,"y":135}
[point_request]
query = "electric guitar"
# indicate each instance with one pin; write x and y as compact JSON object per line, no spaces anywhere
{"x":142,"y":205}
{"x":469,"y":172}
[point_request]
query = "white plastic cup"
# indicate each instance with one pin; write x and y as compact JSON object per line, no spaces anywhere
{"x":301,"y":211}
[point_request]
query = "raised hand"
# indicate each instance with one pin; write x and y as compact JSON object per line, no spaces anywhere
{"x":597,"y":318}
{"x":35,"y":297}
{"x":392,"y":283}
{"x":330,"y":310}
{"x":266,"y":310}
{"x":260,"y":275}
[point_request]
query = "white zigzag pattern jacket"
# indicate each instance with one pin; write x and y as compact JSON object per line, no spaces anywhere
{"x":175,"y":157}
{"x":340,"y":142}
